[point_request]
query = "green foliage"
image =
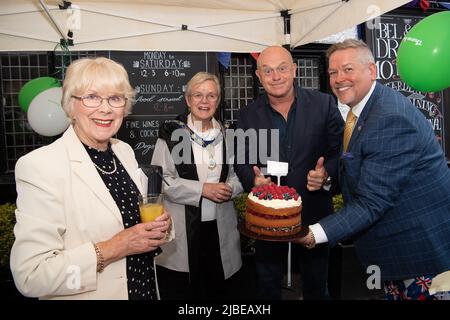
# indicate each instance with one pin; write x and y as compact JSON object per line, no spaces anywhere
{"x":247,"y":244}
{"x":338,"y":202}
{"x":7,"y":222}
{"x":240,"y":204}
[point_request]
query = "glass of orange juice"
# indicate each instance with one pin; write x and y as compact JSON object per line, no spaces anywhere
{"x":150,"y":206}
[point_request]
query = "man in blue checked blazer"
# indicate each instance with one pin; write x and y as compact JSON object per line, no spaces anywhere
{"x":394,"y":179}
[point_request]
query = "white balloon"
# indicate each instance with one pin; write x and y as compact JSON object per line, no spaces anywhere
{"x":45,"y":114}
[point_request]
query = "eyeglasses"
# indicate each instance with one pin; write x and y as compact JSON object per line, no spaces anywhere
{"x":94,"y":101}
{"x":280,"y":69}
{"x":209,"y":97}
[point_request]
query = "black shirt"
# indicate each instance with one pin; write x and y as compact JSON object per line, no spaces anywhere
{"x":140,"y":272}
{"x":287,"y":129}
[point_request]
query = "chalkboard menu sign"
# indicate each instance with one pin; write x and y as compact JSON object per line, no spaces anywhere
{"x":159,"y":78}
{"x":384,"y":35}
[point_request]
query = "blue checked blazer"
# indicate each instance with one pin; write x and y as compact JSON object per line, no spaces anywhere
{"x":396,"y":187}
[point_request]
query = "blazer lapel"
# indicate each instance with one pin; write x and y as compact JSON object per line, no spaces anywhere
{"x":83,"y":167}
{"x":127,"y":163}
{"x":363,"y":116}
{"x":301,"y":124}
{"x":264,"y":114}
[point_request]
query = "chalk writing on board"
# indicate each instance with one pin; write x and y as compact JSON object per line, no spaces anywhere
{"x":159,"y":79}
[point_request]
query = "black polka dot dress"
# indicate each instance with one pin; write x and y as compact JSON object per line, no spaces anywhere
{"x":140,"y":272}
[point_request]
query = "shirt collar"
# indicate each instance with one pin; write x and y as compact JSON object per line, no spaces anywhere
{"x":267,"y":101}
{"x":358,"y":108}
{"x":209,"y":134}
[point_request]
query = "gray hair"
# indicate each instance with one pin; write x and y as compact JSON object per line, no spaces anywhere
{"x":366,"y":57}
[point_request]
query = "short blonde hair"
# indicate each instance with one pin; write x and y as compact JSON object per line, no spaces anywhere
{"x":101,"y":72}
{"x":366,"y":57}
{"x":199,"y":78}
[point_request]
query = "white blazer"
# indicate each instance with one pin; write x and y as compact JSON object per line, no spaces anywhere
{"x":63,"y":207}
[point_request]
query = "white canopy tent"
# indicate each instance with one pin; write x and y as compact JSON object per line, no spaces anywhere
{"x":179,"y":25}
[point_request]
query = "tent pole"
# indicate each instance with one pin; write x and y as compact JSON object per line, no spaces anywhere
{"x":287,"y":28}
{"x":53,"y":20}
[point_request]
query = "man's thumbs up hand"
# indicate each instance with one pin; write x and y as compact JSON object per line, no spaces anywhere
{"x":318,"y":176}
{"x":319,"y":164}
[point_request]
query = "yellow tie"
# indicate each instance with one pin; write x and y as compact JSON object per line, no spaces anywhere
{"x":349,"y":124}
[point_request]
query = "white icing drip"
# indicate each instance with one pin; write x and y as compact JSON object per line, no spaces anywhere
{"x":276,"y":203}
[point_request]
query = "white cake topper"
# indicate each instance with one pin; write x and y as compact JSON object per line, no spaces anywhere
{"x":278,"y":169}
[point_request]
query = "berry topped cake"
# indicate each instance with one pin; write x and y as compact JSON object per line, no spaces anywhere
{"x":273,"y":210}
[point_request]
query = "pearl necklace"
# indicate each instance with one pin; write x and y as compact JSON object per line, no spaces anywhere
{"x":106,"y":172}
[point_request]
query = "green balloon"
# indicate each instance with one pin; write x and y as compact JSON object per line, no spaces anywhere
{"x":423,"y":58}
{"x":33,"y":87}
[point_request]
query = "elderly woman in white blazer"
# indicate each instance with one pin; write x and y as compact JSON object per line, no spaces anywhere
{"x":206,"y":250}
{"x":78,"y":232}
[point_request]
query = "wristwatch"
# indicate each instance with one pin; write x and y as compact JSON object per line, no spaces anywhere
{"x":327,"y":184}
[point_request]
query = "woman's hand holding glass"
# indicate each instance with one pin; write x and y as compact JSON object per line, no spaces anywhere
{"x":140,"y":238}
{"x":150,"y":206}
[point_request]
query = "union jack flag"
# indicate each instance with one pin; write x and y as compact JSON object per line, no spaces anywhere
{"x":392,"y":291}
{"x":424,"y":283}
{"x":410,"y":289}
